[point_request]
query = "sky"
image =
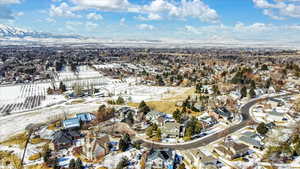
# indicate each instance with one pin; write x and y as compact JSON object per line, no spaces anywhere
{"x":214,"y":20}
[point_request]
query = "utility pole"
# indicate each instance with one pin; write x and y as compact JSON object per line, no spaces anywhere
{"x":27,"y":141}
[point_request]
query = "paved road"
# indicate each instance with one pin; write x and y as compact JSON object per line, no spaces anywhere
{"x":246,"y":121}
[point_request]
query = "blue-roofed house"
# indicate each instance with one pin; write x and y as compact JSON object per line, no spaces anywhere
{"x":71,"y":123}
{"x":85,"y":117}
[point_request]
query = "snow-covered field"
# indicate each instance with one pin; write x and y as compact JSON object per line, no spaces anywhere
{"x":108,"y":66}
{"x":83,"y":72}
{"x":18,"y":98}
{"x":16,"y":123}
{"x":85,"y":76}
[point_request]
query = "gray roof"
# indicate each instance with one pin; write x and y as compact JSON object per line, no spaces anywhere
{"x":250,"y":141}
{"x":249,"y":134}
{"x":64,"y":136}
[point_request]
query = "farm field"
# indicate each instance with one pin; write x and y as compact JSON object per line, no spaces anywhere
{"x":24,"y":97}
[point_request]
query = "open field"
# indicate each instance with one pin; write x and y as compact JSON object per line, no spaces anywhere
{"x":181,"y":96}
{"x":19,"y":140}
{"x":18,"y":98}
{"x":168,"y":100}
{"x":9,"y":160}
{"x":160,"y":106}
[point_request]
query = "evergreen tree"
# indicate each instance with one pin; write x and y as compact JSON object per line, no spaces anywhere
{"x":120,"y":100}
{"x":123,"y":163}
{"x":177,"y":115}
{"x":127,"y":139}
{"x":72,"y":164}
{"x":142,"y":104}
{"x":216,"y":90}
{"x":206,"y":91}
{"x":124,"y":142}
{"x":262,"y":129}
{"x":122,"y":145}
{"x":198,"y":88}
{"x":264,"y":67}
{"x":253,"y":85}
{"x":130,"y":118}
{"x":62,"y":87}
{"x":47,"y":155}
{"x":268,"y":83}
{"x":144,"y":108}
{"x":78,"y":164}
{"x":252,"y":93}
{"x":243,"y":92}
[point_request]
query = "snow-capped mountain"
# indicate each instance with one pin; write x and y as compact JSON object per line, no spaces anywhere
{"x":13,"y":32}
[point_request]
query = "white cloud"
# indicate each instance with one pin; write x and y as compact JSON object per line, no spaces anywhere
{"x":256,"y":27}
{"x":146,"y":27}
{"x":106,"y":5}
{"x":271,"y":14}
{"x":72,"y":26}
{"x":90,"y":26}
{"x":196,"y":9}
{"x":191,"y":29}
{"x":256,"y":32}
{"x":94,"y":16}
{"x":19,"y":14}
{"x":50,"y":20}
{"x":150,"y":17}
{"x":155,"y":9}
{"x":63,"y":10}
{"x":185,"y":8}
{"x":6,"y":2}
{"x":263,"y":4}
{"x":279,"y":9}
{"x":122,"y":21}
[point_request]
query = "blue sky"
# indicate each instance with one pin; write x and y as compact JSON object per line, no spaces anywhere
{"x":228,"y":20}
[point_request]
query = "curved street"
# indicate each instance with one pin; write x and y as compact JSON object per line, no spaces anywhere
{"x":247,"y":120}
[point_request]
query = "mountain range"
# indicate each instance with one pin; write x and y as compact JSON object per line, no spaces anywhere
{"x":13,"y":32}
{"x":10,"y":35}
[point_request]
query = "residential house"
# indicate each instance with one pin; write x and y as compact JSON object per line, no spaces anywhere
{"x":71,"y":123}
{"x":64,"y":139}
{"x":171,"y":130}
{"x":259,"y":92}
{"x":271,"y":90}
{"x":221,"y":113}
{"x":251,"y":139}
{"x":208,"y":121}
{"x":124,"y":111}
{"x":199,"y":107}
{"x":95,"y":146}
{"x":158,"y":159}
{"x":235,"y":95}
{"x":197,"y":159}
{"x":274,"y":116}
{"x":153,"y":116}
{"x":231,"y":150}
{"x":85,"y":117}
